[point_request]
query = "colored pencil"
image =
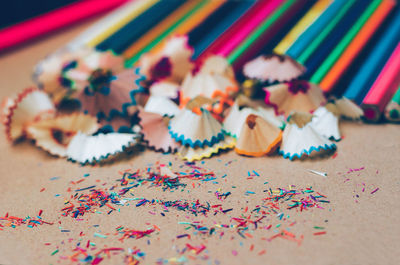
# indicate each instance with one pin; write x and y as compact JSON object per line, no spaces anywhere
{"x":325,"y":33}
{"x":214,"y":26}
{"x":356,"y":45}
{"x":161,"y":27}
{"x":164,"y":35}
{"x":343,"y":44}
{"x":375,"y":61}
{"x":314,"y":30}
{"x":198,"y":17}
{"x":284,"y":29}
{"x":392,"y":111}
{"x":54,"y":20}
{"x":232,"y":37}
{"x":259,"y":31}
{"x":335,"y":36}
{"x":261,"y":36}
{"x":99,"y":30}
{"x":132,"y":31}
{"x":193,"y":21}
{"x":119,"y":20}
{"x":383,"y":88}
{"x":306,"y":21}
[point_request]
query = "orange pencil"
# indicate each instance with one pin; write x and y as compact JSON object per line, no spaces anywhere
{"x":194,"y":20}
{"x":356,"y":45}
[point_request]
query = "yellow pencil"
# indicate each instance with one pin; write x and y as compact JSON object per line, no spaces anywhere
{"x":315,"y":11}
{"x":136,"y":10}
{"x":194,"y":20}
{"x":197,"y":18}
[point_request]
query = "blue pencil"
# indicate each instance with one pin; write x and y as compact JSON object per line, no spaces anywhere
{"x":208,"y":31}
{"x":373,"y":64}
{"x":308,"y":36}
{"x":334,"y":37}
{"x":132,"y":31}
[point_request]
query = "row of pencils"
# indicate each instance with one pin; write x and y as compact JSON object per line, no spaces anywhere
{"x":349,"y":47}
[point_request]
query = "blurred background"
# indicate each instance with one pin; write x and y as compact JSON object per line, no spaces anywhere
{"x":14,"y":11}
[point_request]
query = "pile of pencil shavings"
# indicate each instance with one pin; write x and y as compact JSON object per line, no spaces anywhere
{"x":89,"y":108}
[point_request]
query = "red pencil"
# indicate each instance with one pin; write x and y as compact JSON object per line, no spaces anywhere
{"x":251,"y":19}
{"x":273,"y":30}
{"x":383,"y":88}
{"x":53,"y":20}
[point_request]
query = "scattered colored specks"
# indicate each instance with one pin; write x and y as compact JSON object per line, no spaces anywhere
{"x":266,"y":214}
{"x":99,"y":235}
{"x":13,"y":221}
{"x":375,"y":190}
{"x":131,"y":233}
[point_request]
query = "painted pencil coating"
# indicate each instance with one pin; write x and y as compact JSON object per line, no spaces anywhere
{"x":383,"y":88}
{"x":357,"y":44}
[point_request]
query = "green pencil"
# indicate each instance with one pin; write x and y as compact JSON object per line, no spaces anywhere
{"x":257,"y":33}
{"x":338,"y":50}
{"x":164,"y":35}
{"x":325,"y":33}
{"x":392,"y":111}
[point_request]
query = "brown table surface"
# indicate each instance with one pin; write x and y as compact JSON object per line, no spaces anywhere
{"x":359,"y":230}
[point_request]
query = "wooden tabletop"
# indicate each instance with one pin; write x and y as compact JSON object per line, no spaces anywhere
{"x":360,"y":219}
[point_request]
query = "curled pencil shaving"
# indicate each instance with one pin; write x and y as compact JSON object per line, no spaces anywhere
{"x":258,"y":137}
{"x":86,"y":149}
{"x":273,"y":68}
{"x":198,"y":153}
{"x":297,"y":95}
{"x":114,"y":96}
{"x":217,"y":65}
{"x":208,"y":85}
{"x":214,"y":79}
{"x":48,"y":72}
{"x":196,"y":129}
{"x":165,"y":88}
{"x":199,"y":102}
{"x":119,"y":123}
{"x":6,"y":105}
{"x":162,"y":106}
{"x":54,"y":134}
{"x":348,"y":109}
{"x":28,"y":106}
{"x":242,"y":108}
{"x":171,"y":63}
{"x":93,"y":71}
{"x":155,"y":132}
{"x":300,"y":138}
{"x":326,"y":121}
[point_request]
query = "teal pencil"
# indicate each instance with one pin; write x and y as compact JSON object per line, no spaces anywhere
{"x":392,"y":111}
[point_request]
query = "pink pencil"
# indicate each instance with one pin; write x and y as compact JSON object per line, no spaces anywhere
{"x":53,"y":20}
{"x":383,"y":88}
{"x":231,"y":38}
